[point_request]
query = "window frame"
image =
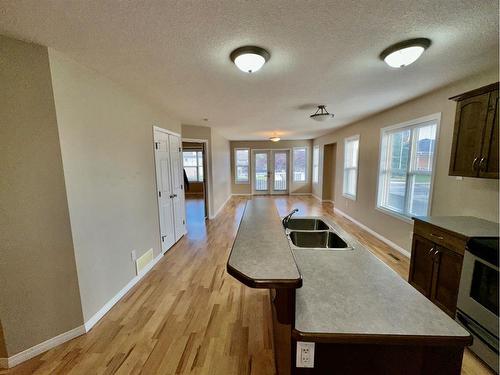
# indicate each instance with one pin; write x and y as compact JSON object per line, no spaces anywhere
{"x":247,"y":181}
{"x":197,"y":166}
{"x":306,"y":162}
{"x":344,"y":194}
{"x":315,"y":167}
{"x":411,"y":124}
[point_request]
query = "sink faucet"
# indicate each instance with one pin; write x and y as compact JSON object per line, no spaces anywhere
{"x":287,"y":218}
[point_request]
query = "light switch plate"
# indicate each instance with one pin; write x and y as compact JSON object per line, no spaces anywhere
{"x":305,"y":354}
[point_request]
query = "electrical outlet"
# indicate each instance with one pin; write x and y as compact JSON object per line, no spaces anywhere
{"x":305,"y":354}
{"x":459,"y":178}
{"x":133,"y":254}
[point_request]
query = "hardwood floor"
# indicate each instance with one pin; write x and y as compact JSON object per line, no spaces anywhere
{"x":188,"y":316}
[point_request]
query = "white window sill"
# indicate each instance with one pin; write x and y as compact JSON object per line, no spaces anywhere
{"x":242,"y":182}
{"x":401,"y":217}
{"x":351,"y":197}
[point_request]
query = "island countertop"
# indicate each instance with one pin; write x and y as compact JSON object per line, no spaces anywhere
{"x":340,"y":296}
{"x":352,"y":294}
{"x":261,"y":256}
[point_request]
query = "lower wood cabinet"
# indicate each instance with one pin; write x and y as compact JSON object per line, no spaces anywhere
{"x":435,"y":266}
{"x":446,"y":279}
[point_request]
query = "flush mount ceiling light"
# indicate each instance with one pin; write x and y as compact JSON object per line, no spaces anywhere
{"x":405,"y":53}
{"x":249,"y":59}
{"x":275,"y":139}
{"x":321,"y":114}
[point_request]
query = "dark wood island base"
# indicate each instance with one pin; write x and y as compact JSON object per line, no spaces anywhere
{"x":360,"y":354}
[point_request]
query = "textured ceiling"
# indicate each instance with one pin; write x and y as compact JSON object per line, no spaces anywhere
{"x":176,"y":53}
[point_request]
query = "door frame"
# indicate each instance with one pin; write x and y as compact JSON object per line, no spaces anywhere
{"x":204,"y":147}
{"x":207,"y":174}
{"x":252,"y":169}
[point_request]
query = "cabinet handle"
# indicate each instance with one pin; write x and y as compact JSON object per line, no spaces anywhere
{"x":474,"y":166}
{"x":436,"y":236}
{"x":431,"y":250}
{"x":481,"y":164}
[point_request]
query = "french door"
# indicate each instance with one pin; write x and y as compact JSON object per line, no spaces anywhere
{"x":270,"y":171}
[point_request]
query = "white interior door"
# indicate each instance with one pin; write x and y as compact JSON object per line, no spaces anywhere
{"x":279,"y":172}
{"x":164,"y":191}
{"x":177,"y":186}
{"x":261,"y":172}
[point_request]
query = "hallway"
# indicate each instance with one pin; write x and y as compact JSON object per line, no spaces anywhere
{"x":189,"y":316}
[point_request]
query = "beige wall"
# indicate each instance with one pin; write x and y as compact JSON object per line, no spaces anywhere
{"x":106,"y":141}
{"x":295,"y":187}
{"x":219,"y":188}
{"x":39,"y":296}
{"x":221,"y":175}
{"x":470,"y":196}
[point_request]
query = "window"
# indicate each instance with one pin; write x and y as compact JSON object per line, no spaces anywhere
{"x":316,"y":164}
{"x":351,"y":152}
{"x":241,"y":165}
{"x":299,"y":164}
{"x":193,"y":165}
{"x":406,"y":167}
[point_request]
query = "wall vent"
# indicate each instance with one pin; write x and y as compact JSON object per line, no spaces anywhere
{"x":143,"y":261}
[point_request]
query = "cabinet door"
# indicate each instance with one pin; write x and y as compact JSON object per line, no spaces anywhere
{"x":421,"y":266}
{"x":470,"y":121}
{"x":446,"y":279}
{"x":488,"y":165}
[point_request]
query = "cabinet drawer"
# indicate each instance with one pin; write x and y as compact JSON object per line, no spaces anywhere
{"x":440,"y":237}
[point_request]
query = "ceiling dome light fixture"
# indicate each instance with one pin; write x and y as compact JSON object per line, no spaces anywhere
{"x":275,"y":139}
{"x":249,"y":59}
{"x":321,"y":114}
{"x":404,"y":53}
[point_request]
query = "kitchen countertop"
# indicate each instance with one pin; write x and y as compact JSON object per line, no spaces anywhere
{"x":341,"y":296}
{"x":261,"y":256}
{"x":355,"y":293}
{"x":466,"y":226}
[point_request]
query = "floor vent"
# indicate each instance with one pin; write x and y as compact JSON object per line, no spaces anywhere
{"x":394,"y":256}
{"x":144,"y":260}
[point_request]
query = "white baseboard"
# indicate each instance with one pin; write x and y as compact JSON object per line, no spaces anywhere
{"x":241,"y":195}
{"x":40,"y":348}
{"x":220,"y":208}
{"x":86,"y":327}
{"x":323,"y":200}
{"x":98,"y":315}
{"x":371,"y":231}
{"x":308,"y":194}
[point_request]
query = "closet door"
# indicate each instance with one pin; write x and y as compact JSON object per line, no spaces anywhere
{"x":164,"y":191}
{"x":177,"y":186}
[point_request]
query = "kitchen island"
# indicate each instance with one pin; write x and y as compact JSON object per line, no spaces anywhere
{"x":362,"y":317}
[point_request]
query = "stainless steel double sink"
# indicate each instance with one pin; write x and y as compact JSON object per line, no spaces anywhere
{"x":313,"y":233}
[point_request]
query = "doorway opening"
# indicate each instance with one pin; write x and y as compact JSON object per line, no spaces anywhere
{"x":195,"y":179}
{"x":329,"y":165}
{"x":270,"y":172}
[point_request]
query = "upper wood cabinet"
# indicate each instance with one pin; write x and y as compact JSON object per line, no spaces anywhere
{"x":475,"y":138}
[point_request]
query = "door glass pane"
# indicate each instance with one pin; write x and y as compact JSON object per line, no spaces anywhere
{"x":399,"y":146}
{"x":280,"y":175}
{"x":260,"y":172}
